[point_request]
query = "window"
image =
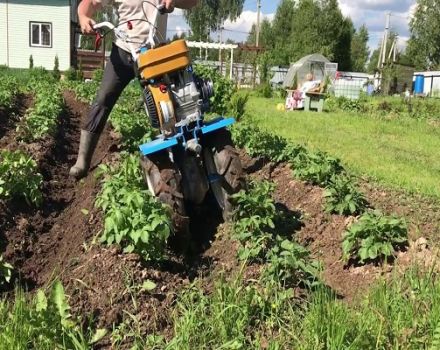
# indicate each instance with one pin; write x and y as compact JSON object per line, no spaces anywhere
{"x":40,"y":34}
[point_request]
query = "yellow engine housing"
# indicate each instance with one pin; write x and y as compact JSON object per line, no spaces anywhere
{"x":164,"y":59}
{"x":165,"y":109}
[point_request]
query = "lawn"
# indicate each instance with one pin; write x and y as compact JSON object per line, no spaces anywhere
{"x":399,"y":152}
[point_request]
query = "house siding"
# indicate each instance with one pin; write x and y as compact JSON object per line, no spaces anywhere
{"x":3,"y":37}
{"x":21,"y":13}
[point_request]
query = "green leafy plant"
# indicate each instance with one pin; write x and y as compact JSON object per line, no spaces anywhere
{"x":290,"y":262}
{"x":342,"y":197}
{"x":260,"y":143}
{"x":31,"y":62}
{"x":255,"y":227}
{"x":133,"y":219}
{"x":317,"y":168}
{"x":237,"y":105}
{"x":56,"y":69}
{"x":19,"y":177}
{"x":265,"y":90}
{"x":5,"y":271}
{"x":130,"y":120}
{"x":374,"y":236}
{"x":224,"y":89}
{"x":9,"y":89}
{"x":43,"y":323}
{"x":253,"y":220}
{"x":42,"y":120}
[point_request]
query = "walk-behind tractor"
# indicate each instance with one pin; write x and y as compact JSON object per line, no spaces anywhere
{"x":191,"y":156}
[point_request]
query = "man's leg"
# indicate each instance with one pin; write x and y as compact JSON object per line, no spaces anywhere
{"x":117,"y":74}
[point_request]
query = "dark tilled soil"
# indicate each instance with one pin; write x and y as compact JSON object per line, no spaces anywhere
{"x":322,"y":233}
{"x":10,"y":117}
{"x":40,"y":242}
{"x":58,"y":239}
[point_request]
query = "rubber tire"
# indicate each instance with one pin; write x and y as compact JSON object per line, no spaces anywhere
{"x":164,"y":181}
{"x":228,"y":166}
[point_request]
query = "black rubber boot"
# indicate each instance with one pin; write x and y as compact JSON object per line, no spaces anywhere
{"x":87,"y":145}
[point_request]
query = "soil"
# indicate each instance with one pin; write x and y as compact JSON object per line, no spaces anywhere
{"x":57,"y":240}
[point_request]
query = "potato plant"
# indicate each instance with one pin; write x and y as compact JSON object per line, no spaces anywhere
{"x":42,"y":119}
{"x":343,"y":198}
{"x":133,"y":219}
{"x":8,"y":90}
{"x":255,"y":227}
{"x":19,"y":177}
{"x":373,"y":236}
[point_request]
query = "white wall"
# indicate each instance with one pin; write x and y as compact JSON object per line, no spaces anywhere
{"x":432,"y":79}
{"x":3,"y":38}
{"x":20,"y":13}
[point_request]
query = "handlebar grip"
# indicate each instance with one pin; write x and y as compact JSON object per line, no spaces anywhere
{"x":163,"y":10}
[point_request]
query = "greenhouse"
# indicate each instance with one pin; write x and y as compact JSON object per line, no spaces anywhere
{"x":315,"y":64}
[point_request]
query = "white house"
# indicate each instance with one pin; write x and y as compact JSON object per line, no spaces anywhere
{"x":41,"y":28}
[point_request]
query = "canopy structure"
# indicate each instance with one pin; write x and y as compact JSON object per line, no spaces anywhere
{"x":314,"y":64}
{"x":219,"y":46}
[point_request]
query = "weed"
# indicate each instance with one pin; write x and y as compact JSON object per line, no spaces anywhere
{"x":5,"y":271}
{"x":43,"y":323}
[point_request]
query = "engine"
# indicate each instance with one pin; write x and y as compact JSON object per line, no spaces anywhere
{"x":174,"y":96}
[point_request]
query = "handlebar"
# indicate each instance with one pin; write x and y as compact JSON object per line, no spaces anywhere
{"x":122,"y":35}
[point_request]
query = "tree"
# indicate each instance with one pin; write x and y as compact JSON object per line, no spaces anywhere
{"x":424,"y":43}
{"x":210,"y":14}
{"x":281,"y":29}
{"x":318,"y":26}
{"x":359,"y":50}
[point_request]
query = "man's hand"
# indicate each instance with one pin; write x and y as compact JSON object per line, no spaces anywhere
{"x":86,"y":10}
{"x":86,"y":24}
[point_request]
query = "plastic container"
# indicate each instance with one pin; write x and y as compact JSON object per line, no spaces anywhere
{"x":419,"y":84}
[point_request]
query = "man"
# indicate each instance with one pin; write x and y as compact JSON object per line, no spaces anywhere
{"x":119,"y":70}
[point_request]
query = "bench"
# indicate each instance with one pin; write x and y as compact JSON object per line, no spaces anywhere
{"x":314,"y":101}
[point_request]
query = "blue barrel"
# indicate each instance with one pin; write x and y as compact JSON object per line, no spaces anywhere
{"x":419,"y":84}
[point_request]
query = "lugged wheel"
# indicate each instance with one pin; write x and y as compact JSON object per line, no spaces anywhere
{"x":224,"y":169}
{"x":164,"y":182}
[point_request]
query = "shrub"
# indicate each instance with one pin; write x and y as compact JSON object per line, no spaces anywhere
{"x":374,"y":236}
{"x":31,"y":62}
{"x":74,"y":75}
{"x":265,"y":91}
{"x":224,"y":89}
{"x":56,"y":69}
{"x":237,"y":105}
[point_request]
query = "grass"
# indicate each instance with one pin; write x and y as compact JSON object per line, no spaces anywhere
{"x":403,"y":313}
{"x":401,"y":153}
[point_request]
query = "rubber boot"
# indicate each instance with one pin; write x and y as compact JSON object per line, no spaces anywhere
{"x":87,"y":145}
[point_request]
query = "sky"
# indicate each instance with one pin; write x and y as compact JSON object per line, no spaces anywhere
{"x":369,"y":12}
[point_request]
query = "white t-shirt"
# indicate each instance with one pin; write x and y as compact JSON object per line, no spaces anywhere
{"x":131,"y":10}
